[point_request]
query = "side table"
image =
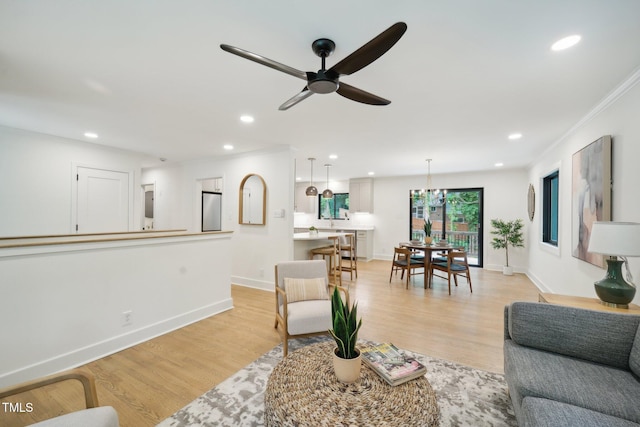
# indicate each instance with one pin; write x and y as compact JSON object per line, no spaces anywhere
{"x":303,"y":391}
{"x":584,"y":302}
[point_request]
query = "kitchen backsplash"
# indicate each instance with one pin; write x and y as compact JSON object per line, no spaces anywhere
{"x":305,"y":220}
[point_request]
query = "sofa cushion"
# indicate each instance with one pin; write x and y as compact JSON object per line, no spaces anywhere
{"x":102,"y":416}
{"x":537,"y":412}
{"x":568,"y":331}
{"x":634,"y":358}
{"x":537,"y":373}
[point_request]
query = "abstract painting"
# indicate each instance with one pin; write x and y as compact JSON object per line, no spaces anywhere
{"x":590,"y":196}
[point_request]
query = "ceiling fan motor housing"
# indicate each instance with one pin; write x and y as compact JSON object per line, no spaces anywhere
{"x":322,"y":82}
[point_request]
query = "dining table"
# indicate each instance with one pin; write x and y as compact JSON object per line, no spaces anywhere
{"x":428,"y":250}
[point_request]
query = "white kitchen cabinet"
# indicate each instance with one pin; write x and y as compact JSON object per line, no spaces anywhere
{"x":364,"y":239}
{"x":212,"y":184}
{"x":361,"y":195}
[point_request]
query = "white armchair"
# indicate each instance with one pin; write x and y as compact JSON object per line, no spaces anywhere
{"x":303,"y":304}
{"x":93,"y":416}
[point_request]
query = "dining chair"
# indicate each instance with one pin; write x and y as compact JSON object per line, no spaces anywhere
{"x":402,"y":260}
{"x":456,"y":265}
{"x":303,"y":300}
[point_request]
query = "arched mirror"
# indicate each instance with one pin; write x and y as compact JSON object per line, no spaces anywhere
{"x":253,"y":200}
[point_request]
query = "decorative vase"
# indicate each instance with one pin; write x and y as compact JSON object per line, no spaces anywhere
{"x":613,"y":290}
{"x":507,"y":270}
{"x":347,"y":370}
{"x":428,"y":240}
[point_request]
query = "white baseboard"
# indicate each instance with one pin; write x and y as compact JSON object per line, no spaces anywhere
{"x":253,"y":283}
{"x":98,"y":350}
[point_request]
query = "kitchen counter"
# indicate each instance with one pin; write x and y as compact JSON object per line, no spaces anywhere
{"x":338,"y":227}
{"x":320,"y":236}
{"x":304,"y":242}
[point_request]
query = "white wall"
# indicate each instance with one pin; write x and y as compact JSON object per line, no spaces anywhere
{"x":62,"y":305}
{"x":36,"y":180}
{"x":255,"y":249}
{"x":505,"y":197}
{"x":560,"y":272}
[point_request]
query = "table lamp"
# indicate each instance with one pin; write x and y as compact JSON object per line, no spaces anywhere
{"x":615,"y":239}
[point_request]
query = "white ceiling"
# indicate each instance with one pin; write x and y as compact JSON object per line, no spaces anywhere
{"x":149,"y":76}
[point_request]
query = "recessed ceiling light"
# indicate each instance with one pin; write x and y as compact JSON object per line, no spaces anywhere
{"x":499,"y":164}
{"x":333,"y":156}
{"x":246,"y":119}
{"x":298,"y":178}
{"x":514,"y":136}
{"x":566,"y":42}
{"x":91,"y":135}
{"x":371,"y":173}
{"x":227,"y":147}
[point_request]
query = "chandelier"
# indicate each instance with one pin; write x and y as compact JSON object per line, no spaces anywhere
{"x":434,"y":197}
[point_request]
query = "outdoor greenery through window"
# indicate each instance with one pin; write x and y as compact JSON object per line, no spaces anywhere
{"x":335,"y":207}
{"x":456,"y":217}
{"x":550,"y":186}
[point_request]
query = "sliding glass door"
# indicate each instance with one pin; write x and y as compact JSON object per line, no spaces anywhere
{"x":456,"y":218}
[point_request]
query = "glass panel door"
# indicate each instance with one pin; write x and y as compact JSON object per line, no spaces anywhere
{"x":462,"y":214}
{"x":456,"y":217}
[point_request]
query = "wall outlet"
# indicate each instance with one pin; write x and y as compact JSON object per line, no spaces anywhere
{"x":127,"y":318}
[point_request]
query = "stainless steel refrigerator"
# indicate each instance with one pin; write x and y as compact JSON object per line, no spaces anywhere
{"x":211,"y":211}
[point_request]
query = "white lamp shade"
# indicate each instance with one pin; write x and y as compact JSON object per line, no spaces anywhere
{"x":615,"y":238}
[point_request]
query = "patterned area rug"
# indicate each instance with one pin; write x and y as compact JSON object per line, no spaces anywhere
{"x":466,"y":396}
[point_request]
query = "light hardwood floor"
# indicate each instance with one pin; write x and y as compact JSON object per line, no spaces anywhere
{"x":152,"y":380}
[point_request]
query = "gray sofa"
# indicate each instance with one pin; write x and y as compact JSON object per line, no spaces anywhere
{"x":572,"y":367}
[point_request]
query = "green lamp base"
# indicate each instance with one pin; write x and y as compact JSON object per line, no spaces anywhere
{"x":613,"y":291}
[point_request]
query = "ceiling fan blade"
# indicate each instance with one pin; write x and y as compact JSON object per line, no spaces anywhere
{"x":264,"y":61}
{"x":359,"y":95}
{"x":301,"y":96}
{"x":371,"y":51}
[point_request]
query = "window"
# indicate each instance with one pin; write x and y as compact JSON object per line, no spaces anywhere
{"x":456,"y":219}
{"x":333,"y":208}
{"x":550,"y":186}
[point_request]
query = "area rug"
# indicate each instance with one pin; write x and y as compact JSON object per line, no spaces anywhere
{"x":466,"y":396}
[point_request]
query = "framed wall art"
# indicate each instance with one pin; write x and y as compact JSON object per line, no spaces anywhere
{"x":590,"y":196}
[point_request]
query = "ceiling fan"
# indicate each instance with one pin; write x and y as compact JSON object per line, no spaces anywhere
{"x":328,"y":81}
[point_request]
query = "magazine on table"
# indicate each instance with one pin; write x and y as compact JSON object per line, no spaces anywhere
{"x":391,"y":364}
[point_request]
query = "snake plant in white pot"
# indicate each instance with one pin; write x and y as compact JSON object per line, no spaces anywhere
{"x":346,"y":357}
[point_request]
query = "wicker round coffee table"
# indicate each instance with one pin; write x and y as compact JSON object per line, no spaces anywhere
{"x":304,"y":391}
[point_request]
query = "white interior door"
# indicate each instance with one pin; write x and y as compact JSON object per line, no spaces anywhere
{"x":103,"y":201}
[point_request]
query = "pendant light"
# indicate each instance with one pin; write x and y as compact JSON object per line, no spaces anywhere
{"x":327,"y":194}
{"x":311,"y":191}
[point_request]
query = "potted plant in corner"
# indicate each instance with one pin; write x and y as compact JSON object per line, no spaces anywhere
{"x":427,"y":231}
{"x":509,"y":234}
{"x":346,"y":357}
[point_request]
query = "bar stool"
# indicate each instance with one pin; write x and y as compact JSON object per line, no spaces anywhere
{"x":348,"y":252}
{"x":335,"y":260}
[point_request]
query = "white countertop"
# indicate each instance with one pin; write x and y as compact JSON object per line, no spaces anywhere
{"x":339,"y":227}
{"x":320,"y":236}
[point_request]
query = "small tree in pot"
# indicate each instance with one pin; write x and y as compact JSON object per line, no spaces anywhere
{"x":509,"y":234}
{"x":345,"y":333}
